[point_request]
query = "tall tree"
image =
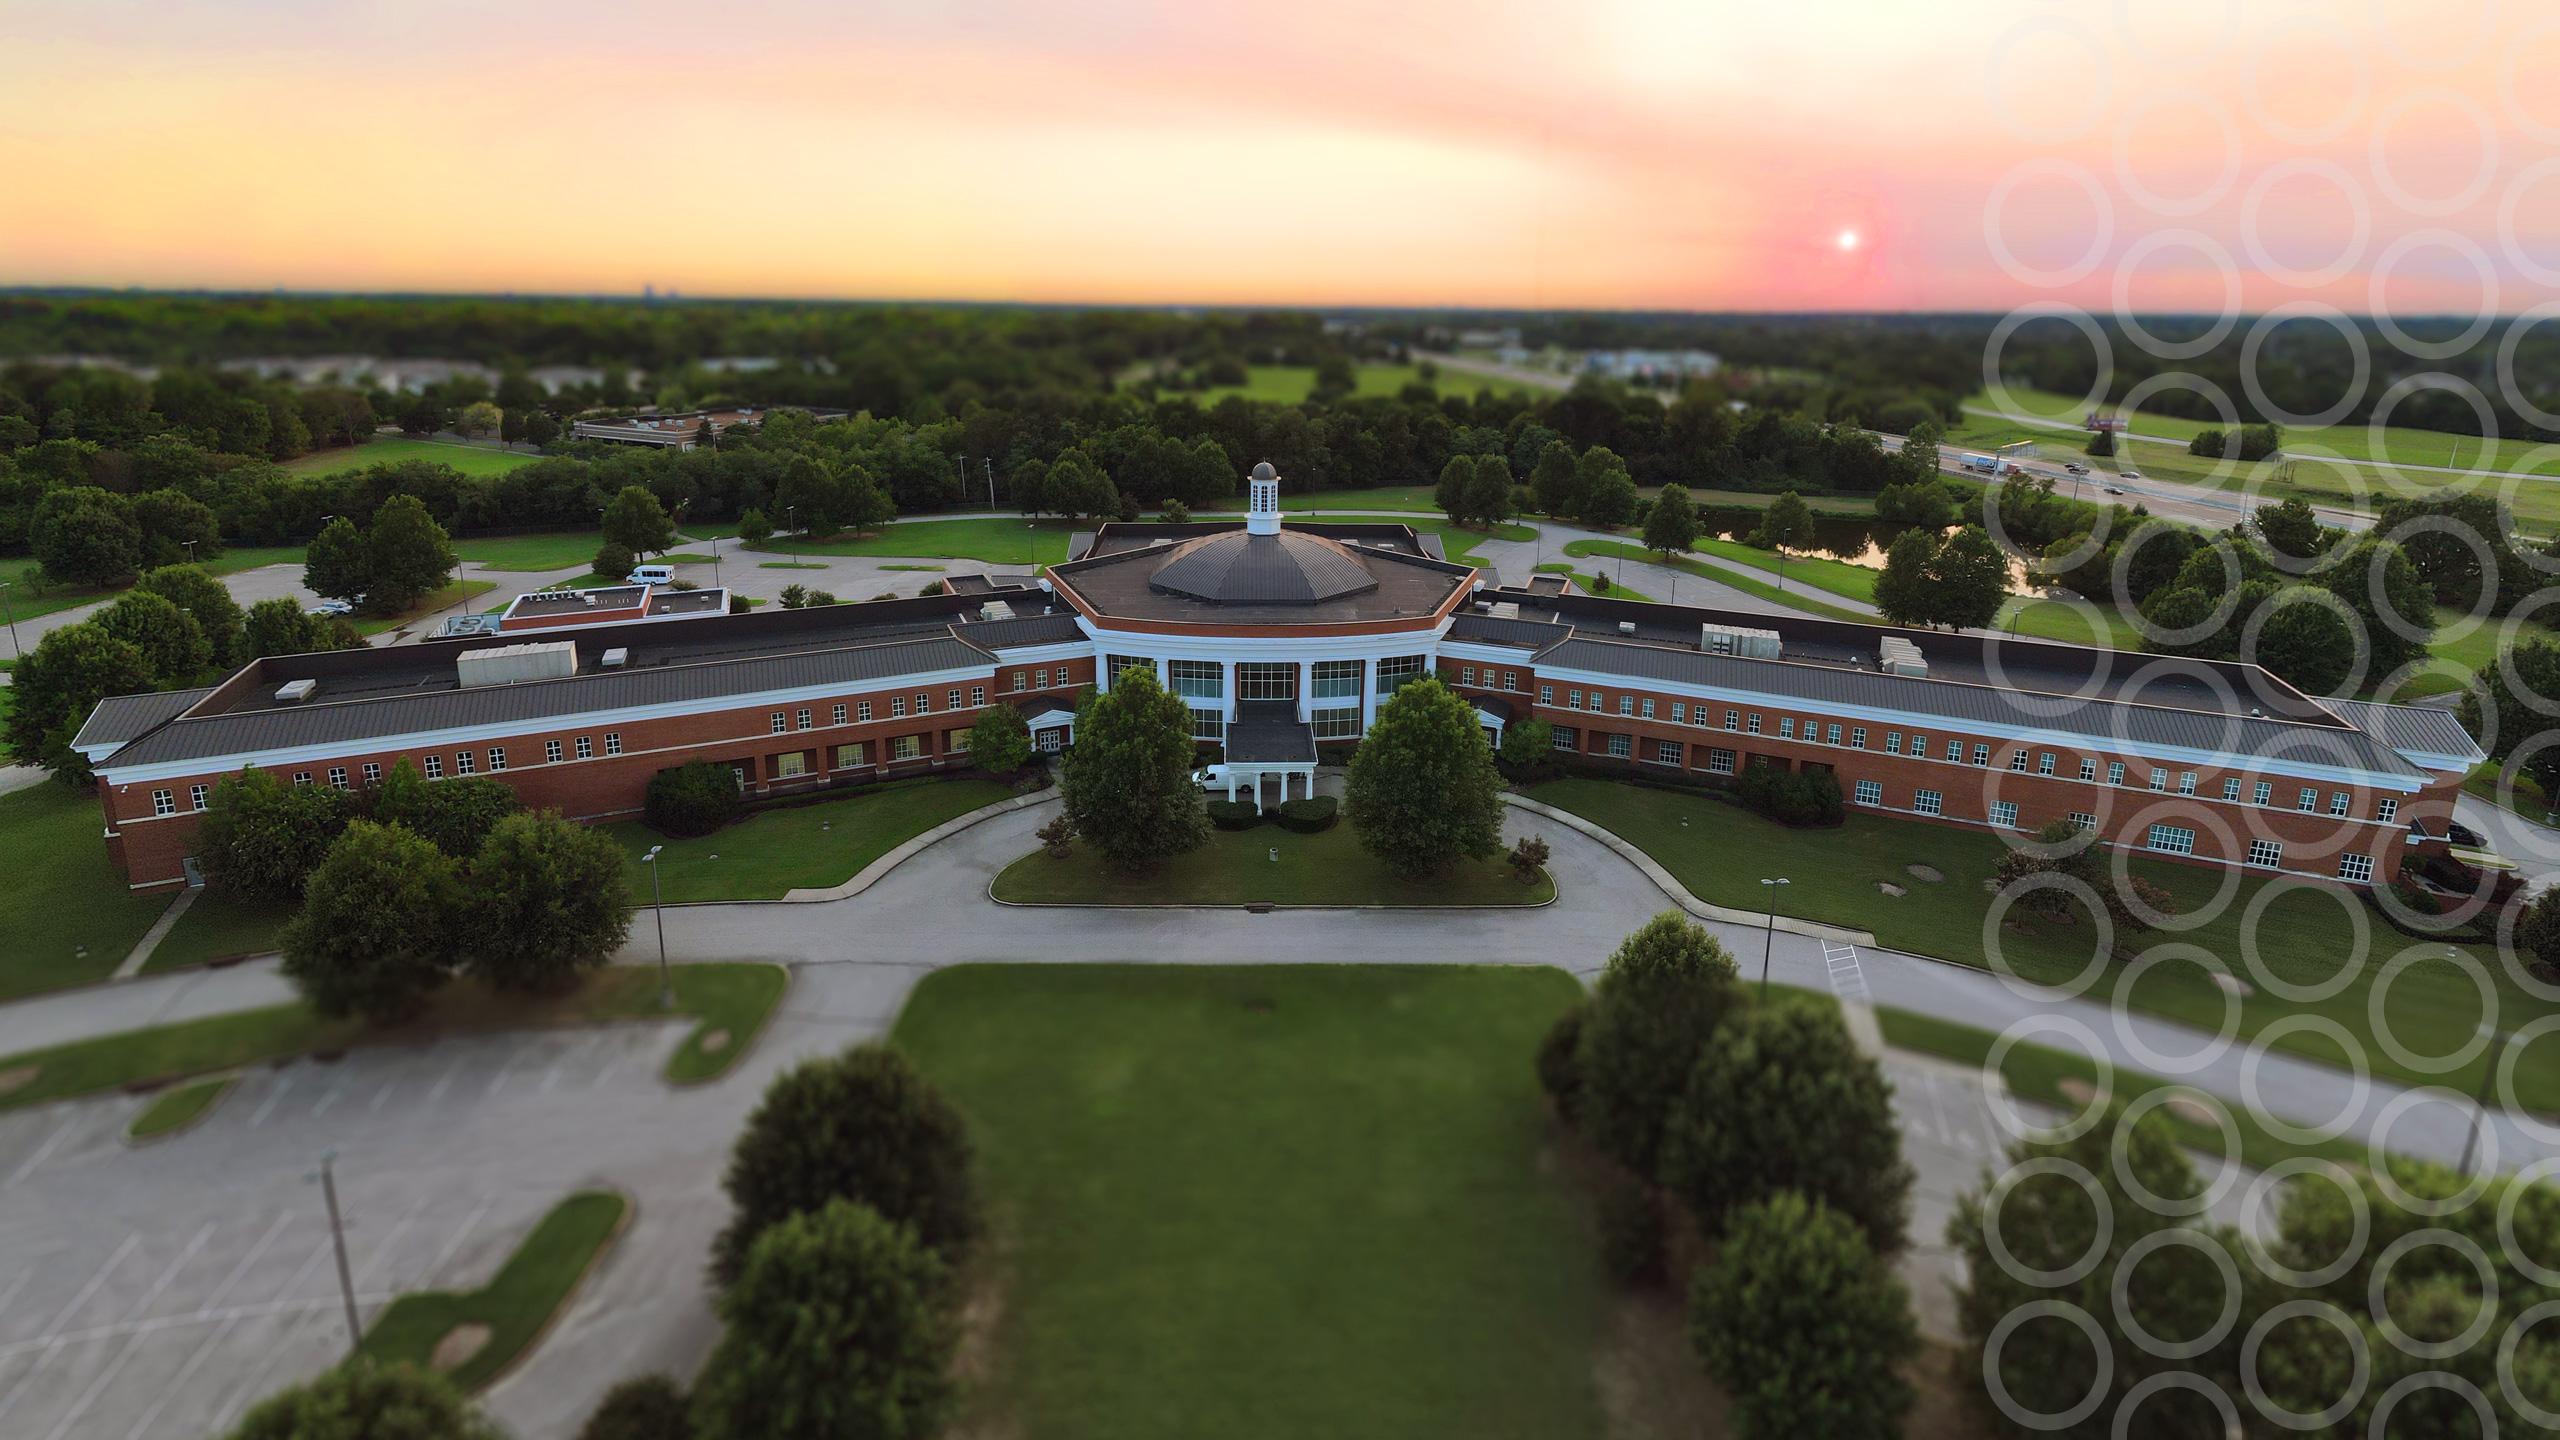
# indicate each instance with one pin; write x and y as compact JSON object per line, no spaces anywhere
{"x":1491,"y":497}
{"x":407,"y":554}
{"x":261,"y":838}
{"x":171,"y":642}
{"x":1905,"y":592}
{"x":1000,"y":743}
{"x":1661,"y":996}
{"x":1920,"y":454}
{"x":638,"y":523}
{"x":455,"y":815}
{"x":206,"y":602}
{"x":645,"y":1407}
{"x":1555,"y":481}
{"x":1972,"y":578}
{"x":1128,"y":782}
{"x":277,"y":626}
{"x":1422,"y":790}
{"x":1606,"y":492}
{"x":84,"y":535}
{"x":375,"y":932}
{"x":336,"y":564}
{"x":548,"y":900}
{"x":1786,"y":525}
{"x":57,"y":684}
{"x":838,"y":1329}
{"x":1455,"y":494}
{"x":1803,"y":1325}
{"x":1672,"y":525}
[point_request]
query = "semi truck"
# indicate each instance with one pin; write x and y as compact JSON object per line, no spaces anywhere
{"x":1978,"y":464}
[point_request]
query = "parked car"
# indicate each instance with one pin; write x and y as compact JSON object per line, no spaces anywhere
{"x":2113,"y":489}
{"x":2077,"y":468}
{"x":2461,"y":834}
{"x":651,"y":575}
{"x":2130,"y":474}
{"x":332,"y":607}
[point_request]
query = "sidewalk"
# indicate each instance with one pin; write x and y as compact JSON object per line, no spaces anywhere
{"x":64,"y":1016}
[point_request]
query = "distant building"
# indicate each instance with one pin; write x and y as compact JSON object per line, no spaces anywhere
{"x":677,"y":432}
{"x":1650,"y":364}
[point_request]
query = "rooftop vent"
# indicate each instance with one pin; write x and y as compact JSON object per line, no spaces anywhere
{"x":294,"y":692}
{"x":1484,"y":607}
{"x":616,"y":658}
{"x":1900,"y":657}
{"x":1507,"y":610}
{"x":1626,"y":627}
{"x":1738,"y":640}
{"x":995,"y":610}
{"x":508,"y":664}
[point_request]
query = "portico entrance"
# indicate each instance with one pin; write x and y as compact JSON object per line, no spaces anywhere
{"x":1268,"y":740}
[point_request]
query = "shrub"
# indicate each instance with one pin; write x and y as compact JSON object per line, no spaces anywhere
{"x":693,"y":799}
{"x":1630,"y":1232}
{"x":1804,"y":1326}
{"x":368,"y":1402}
{"x":1176,"y":513}
{"x":1559,"y":1071}
{"x":1810,"y":797}
{"x":863,"y":1126}
{"x":646,"y":1407}
{"x":1000,"y":741}
{"x":1528,"y":747}
{"x":1234,"y":814}
{"x":375,"y":932}
{"x":1527,"y":858}
{"x":1655,"y":1006}
{"x":262,"y":838}
{"x":547,"y":900}
{"x":614,"y":562}
{"x":1059,"y":835}
{"x":1307,"y":816}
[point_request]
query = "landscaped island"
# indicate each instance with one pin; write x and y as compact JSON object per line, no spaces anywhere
{"x":1265,"y":865}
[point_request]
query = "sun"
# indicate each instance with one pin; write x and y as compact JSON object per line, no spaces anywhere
{"x":1846,"y":240}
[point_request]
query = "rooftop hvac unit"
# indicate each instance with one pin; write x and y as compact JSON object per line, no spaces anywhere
{"x":1738,"y":640}
{"x":616,"y":658}
{"x":1626,"y":627}
{"x":294,"y":692}
{"x":509,"y":664}
{"x":1507,"y":610}
{"x":995,"y":610}
{"x":1897,"y":656}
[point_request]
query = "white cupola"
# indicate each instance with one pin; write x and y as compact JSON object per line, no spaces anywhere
{"x":1263,"y":515}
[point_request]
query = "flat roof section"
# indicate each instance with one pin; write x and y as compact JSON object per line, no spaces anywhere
{"x":1125,"y":575}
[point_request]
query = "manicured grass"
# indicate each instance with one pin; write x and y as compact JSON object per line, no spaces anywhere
{"x":2038,"y":1072}
{"x":802,"y":847}
{"x":1589,"y":585}
{"x":532,"y":552}
{"x":1282,"y":1201}
{"x":248,"y":1037}
{"x":62,"y":893}
{"x":219,"y":926}
{"x":2523,"y":796}
{"x":2054,"y":620}
{"x":455,"y":594}
{"x":2303,"y":935}
{"x":178,"y":1106}
{"x":1855,"y":582}
{"x":814,"y":565}
{"x":1000,"y":540}
{"x":516,"y":1304}
{"x":25,"y":605}
{"x":386,"y":449}
{"x":734,"y":1001}
{"x":1458,"y":542}
{"x":1236,"y":868}
{"x":1415,"y":498}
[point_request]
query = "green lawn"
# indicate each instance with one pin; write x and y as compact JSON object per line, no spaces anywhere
{"x":1458,"y":542}
{"x":387,"y":449}
{"x":1853,"y":582}
{"x":516,"y":1304}
{"x":219,"y":926}
{"x":2303,"y":935}
{"x":802,"y":847}
{"x":2054,"y":620}
{"x":997,"y":541}
{"x":1384,"y":497}
{"x":1280,"y":1201}
{"x":451,"y":595}
{"x":532,"y":552}
{"x":23,"y":605}
{"x":1236,"y":868}
{"x":62,"y":894}
{"x":178,"y":1106}
{"x":1290,"y":384}
{"x":733,"y":1002}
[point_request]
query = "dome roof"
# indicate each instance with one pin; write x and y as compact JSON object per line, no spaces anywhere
{"x":1236,"y":568}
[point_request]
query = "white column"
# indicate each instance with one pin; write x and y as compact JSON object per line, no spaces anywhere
{"x":1368,"y":693}
{"x":1227,"y":689}
{"x":1306,"y":689}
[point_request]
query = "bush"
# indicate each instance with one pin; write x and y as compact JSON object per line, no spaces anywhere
{"x":1234,"y":814}
{"x":863,"y":1126}
{"x":1000,"y":741}
{"x":694,"y":799}
{"x":1527,"y":858}
{"x":614,"y":562}
{"x":547,"y":900}
{"x":1804,"y":1326}
{"x":1659,"y":1000}
{"x":1809,"y":797}
{"x":368,"y":1402}
{"x":1630,"y":1232}
{"x":1058,"y":835}
{"x":456,"y":816}
{"x":375,"y":932}
{"x":646,"y":1407}
{"x":261,"y":838}
{"x":1559,"y":1072}
{"x":1307,"y":816}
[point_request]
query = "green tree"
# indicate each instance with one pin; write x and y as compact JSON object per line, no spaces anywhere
{"x":645,"y":1407}
{"x":336,"y":564}
{"x":53,"y":689}
{"x":177,"y":528}
{"x":1803,"y":1325}
{"x":612,"y":561}
{"x":838,"y":1329}
{"x":277,"y":626}
{"x":407,"y":556}
{"x":262,"y":838}
{"x":754,"y":529}
{"x":1905,"y":592}
{"x":1491,"y":497}
{"x":861,"y":1126}
{"x":1781,"y":1100}
{"x":547,"y":900}
{"x":1422,"y":790}
{"x":2291,"y":527}
{"x":1455,"y":494}
{"x":368,"y":1401}
{"x":1127,"y":781}
{"x":1672,"y":525}
{"x":375,"y":932}
{"x":1000,"y":743}
{"x":1555,"y":482}
{"x":84,"y":535}
{"x":1528,"y":743}
{"x":1786,"y":525}
{"x":638,"y":523}
{"x":1601,"y":499}
{"x":455,"y":815}
{"x":1657,"y":1002}
{"x":2102,"y":444}
{"x":1920,"y":454}
{"x":1971,"y":578}
{"x":2305,"y":643}
{"x":1176,"y":513}
{"x":206,"y":602}
{"x":170,"y":641}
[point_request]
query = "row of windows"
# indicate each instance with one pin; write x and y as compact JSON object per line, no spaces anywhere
{"x":805,"y":718}
{"x":1024,"y":680}
{"x":1503,"y":680}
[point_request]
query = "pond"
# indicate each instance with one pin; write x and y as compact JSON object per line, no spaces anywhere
{"x":1851,"y":540}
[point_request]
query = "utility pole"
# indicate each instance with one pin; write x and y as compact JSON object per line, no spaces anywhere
{"x":658,"y":908}
{"x":1768,"y":937}
{"x":11,"y":613}
{"x":2480,"y":1103}
{"x":990,"y":463}
{"x":327,"y":1177}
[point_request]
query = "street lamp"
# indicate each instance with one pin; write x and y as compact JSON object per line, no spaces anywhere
{"x":338,"y":1238}
{"x":2499,"y":1041}
{"x":658,"y":908}
{"x":1768,"y":936}
{"x":12,"y":614}
{"x":790,"y":526}
{"x":191,"y":550}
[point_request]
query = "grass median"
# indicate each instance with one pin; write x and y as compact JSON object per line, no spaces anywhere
{"x":514,"y":1308}
{"x":178,"y":1107}
{"x":1265,"y":865}
{"x":775,"y":851}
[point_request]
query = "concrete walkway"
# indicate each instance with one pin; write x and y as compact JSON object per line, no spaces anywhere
{"x":146,"y":1000}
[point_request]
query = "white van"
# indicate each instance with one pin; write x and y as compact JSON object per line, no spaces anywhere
{"x":651,"y":575}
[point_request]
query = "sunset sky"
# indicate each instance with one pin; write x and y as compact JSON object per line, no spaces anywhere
{"x":1838,"y":154}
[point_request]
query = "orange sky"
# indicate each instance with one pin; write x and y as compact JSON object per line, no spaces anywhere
{"x":1608,"y":153}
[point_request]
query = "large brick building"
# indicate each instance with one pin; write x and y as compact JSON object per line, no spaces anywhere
{"x":1281,"y":638}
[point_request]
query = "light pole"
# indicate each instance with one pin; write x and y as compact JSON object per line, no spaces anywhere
{"x":658,"y":908}
{"x":338,"y":1237}
{"x":790,"y":525}
{"x":191,"y":550}
{"x":1769,"y":936}
{"x":2499,"y":1040}
{"x":12,"y":614}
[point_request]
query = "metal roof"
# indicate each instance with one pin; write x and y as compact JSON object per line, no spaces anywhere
{"x":1983,"y":706}
{"x":350,"y":722}
{"x":1269,"y":732}
{"x":1237,"y":568}
{"x":1030,"y":630}
{"x":120,"y":718}
{"x":2422,"y":728}
{"x":1498,"y":630}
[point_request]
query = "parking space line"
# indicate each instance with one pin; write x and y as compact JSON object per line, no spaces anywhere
{"x":322,"y":1107}
{"x":45,"y":1342}
{"x":445,"y":1256}
{"x":445,"y":1079}
{"x":373,"y":1262}
{"x":500,"y":1078}
{"x":232,"y":1403}
{"x":132,"y":1342}
{"x":42,"y":1151}
{"x":282,"y":1085}
{"x":551,"y":1076}
{"x":380,"y":1095}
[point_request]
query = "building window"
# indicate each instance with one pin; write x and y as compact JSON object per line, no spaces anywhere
{"x":1679,"y":713}
{"x":836,"y":716}
{"x":2358,"y":868}
{"x":951,"y":699}
{"x":791,"y":765}
{"x":849,"y":757}
{"x":924,"y":703}
{"x":497,"y":757}
{"x":1665,"y":752}
{"x":301,"y":777}
{"x":1573,"y":699}
{"x":1619,"y":747}
{"x":2231,"y":787}
{"x":1567,"y":738}
{"x":1397,"y":671}
{"x":2018,"y":760}
{"x":2186,"y":782}
{"x":1336,"y":724}
{"x":1197,"y":679}
{"x":2266,"y":854}
{"x":2338,"y":801}
{"x":464,"y":762}
{"x":1340,"y":680}
{"x":435,"y":771}
{"x":1648,"y":707}
{"x":2083,"y":820}
{"x":2160,"y":780}
{"x":164,"y":802}
{"x":1021,"y":680}
{"x":1267,"y":680}
{"x":2173,"y":839}
{"x":1869,"y":792}
{"x":196,"y":796}
{"x":1787,"y":727}
{"x":1733,"y":721}
{"x":613,"y":742}
{"x":1467,"y":675}
{"x":897,"y":707}
{"x":586,"y":748}
{"x":1719,"y":762}
{"x":1981,"y":754}
{"x":1857,"y":737}
{"x":1893,"y":742}
{"x":372,"y":772}
{"x":906,"y":747}
{"x":805,"y":719}
{"x":2115,"y":772}
{"x":955,"y":742}
{"x":338,"y":774}
{"x":1753,"y":725}
{"x":2044,"y":764}
{"x":1511,"y":680}
{"x":2264,"y":793}
{"x":2386,"y":810}
{"x":2088,"y":768}
{"x":1830,"y":734}
{"x":1955,"y":751}
{"x":779,"y":722}
{"x":1546,"y":694}
{"x":1928,"y":802}
{"x":1626,"y":704}
{"x":1209,"y":725}
{"x":2310,"y":800}
{"x":551,"y":751}
{"x":1120,"y":663}
{"x":2004,"y":814}
{"x":1053,"y":740}
{"x":977,"y":697}
{"x":862,"y":710}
